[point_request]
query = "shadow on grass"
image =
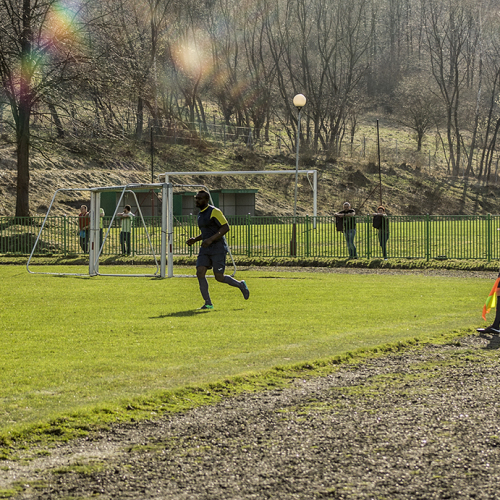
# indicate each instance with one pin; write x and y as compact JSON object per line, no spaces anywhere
{"x":494,"y":341}
{"x":182,"y":314}
{"x":77,"y":276}
{"x":281,"y":278}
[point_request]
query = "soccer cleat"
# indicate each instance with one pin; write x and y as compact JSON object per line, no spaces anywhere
{"x":206,"y":306}
{"x":488,"y":329}
{"x":244,"y":290}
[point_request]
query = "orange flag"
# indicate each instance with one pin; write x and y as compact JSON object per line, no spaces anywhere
{"x":491,"y":301}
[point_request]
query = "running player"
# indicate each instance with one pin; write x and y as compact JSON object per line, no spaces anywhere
{"x":213,"y":226}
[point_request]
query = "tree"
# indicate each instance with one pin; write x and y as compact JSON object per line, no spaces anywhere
{"x":129,"y":42}
{"x":320,"y":51}
{"x":449,"y":42}
{"x":417,"y":105}
{"x":37,"y":48}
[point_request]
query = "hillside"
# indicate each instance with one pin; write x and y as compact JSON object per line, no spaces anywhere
{"x":406,"y":189}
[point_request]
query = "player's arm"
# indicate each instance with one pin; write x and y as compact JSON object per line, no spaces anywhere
{"x":193,"y":240}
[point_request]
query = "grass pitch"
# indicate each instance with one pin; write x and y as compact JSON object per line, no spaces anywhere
{"x":73,"y":346}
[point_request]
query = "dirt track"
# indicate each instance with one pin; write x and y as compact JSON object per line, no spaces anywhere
{"x":419,"y":424}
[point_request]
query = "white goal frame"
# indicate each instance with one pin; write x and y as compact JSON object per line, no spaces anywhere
{"x":166,"y":247}
{"x":165,"y":267}
{"x":166,"y":178}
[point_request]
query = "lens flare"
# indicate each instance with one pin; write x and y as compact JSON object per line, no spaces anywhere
{"x":60,"y":27}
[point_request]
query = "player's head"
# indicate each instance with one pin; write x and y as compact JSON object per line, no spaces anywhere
{"x":127,"y":208}
{"x":381,"y":209}
{"x":347,"y":205}
{"x":83,"y":209}
{"x":201,"y":199}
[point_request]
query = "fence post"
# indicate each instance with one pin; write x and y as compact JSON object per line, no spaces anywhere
{"x":308,"y":250}
{"x":132,"y":238}
{"x":427,"y":237}
{"x":488,"y":235}
{"x":65,"y":235}
{"x":368,"y":238}
{"x":249,"y":236}
{"x":190,"y":219}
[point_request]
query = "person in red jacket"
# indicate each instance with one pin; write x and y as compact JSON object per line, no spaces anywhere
{"x":84,"y":228}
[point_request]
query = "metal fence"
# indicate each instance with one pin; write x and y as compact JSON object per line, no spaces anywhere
{"x":411,"y":237}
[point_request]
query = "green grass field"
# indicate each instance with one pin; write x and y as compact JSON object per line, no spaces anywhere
{"x":72,"y":345}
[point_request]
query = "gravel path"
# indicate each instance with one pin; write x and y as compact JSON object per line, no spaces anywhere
{"x":417,"y":424}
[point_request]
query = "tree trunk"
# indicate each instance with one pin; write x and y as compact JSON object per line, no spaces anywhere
{"x":57,"y":120}
{"x":420,"y":136}
{"x":23,"y":152}
{"x":140,"y":119}
{"x":23,"y":117}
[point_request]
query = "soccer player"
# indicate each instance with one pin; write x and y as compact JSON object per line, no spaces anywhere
{"x":213,"y":226}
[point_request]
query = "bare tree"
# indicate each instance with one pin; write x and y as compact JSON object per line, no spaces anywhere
{"x":320,"y":50}
{"x":448,"y":33}
{"x":225,"y":26}
{"x":417,"y":105}
{"x":130,"y":38}
{"x":38,"y":47}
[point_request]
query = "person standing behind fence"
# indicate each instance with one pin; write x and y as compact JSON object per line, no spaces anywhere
{"x":101,"y":225}
{"x":126,"y":217}
{"x":381,"y":222}
{"x":84,"y":228}
{"x":349,"y":225}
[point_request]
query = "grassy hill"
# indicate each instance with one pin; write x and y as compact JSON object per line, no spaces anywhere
{"x":406,"y":188}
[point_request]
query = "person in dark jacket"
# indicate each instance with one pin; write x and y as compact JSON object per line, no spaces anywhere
{"x":381,"y":222}
{"x":349,"y":224}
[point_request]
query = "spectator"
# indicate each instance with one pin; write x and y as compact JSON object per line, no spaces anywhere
{"x":381,"y":222}
{"x":349,"y":225}
{"x":101,"y":218}
{"x":84,"y":228}
{"x":126,"y":217}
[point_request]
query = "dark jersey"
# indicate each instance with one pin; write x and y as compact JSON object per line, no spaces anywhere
{"x":210,"y":220}
{"x":349,"y":221}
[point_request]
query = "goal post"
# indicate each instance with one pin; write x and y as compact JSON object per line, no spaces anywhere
{"x":95,"y":248}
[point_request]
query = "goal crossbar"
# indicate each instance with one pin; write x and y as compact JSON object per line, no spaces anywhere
{"x":166,"y":177}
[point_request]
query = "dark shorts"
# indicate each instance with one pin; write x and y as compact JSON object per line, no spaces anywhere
{"x":216,"y":261}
